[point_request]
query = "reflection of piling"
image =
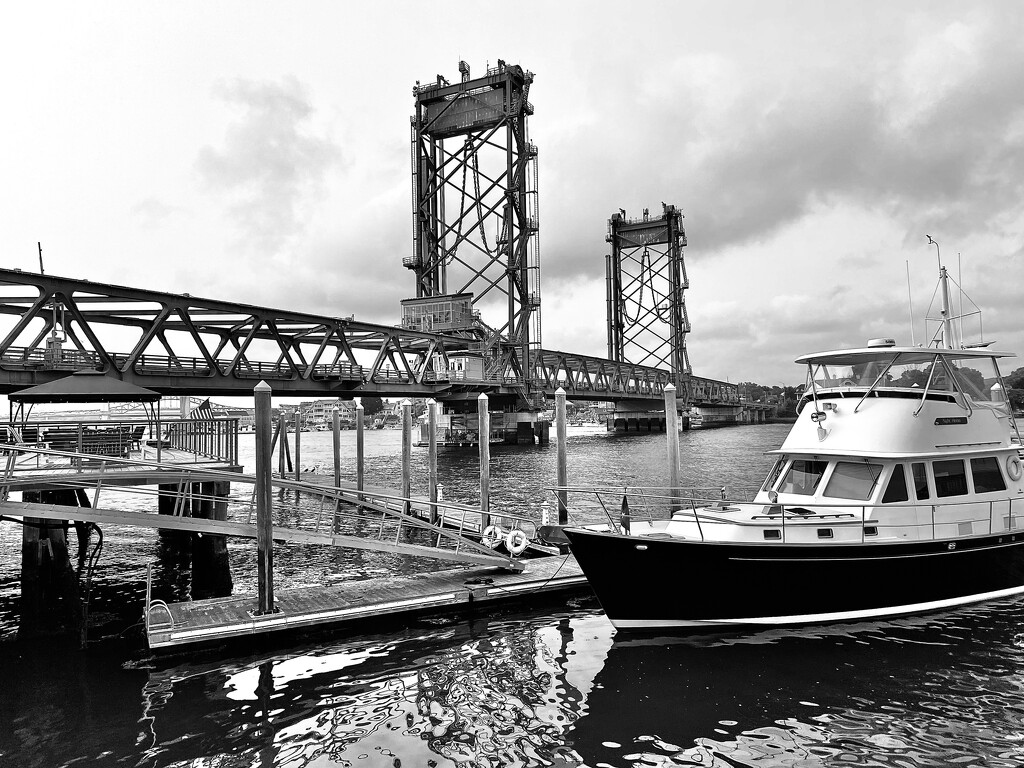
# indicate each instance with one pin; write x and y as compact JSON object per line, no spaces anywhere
{"x":672,"y":431}
{"x":484,"y":417}
{"x":282,"y":432}
{"x":562,"y":479}
{"x":432,"y":458}
{"x":406,"y":453}
{"x":264,"y":500}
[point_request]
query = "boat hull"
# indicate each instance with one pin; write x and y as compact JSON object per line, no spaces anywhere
{"x":653,"y":583}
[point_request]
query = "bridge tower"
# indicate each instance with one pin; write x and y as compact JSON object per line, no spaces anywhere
{"x":475,"y":212}
{"x":646,"y":277}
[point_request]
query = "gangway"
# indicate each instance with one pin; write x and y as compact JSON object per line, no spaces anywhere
{"x":127,"y":492}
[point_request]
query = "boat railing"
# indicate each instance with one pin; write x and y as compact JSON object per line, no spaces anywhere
{"x":634,"y":502}
{"x":709,"y":510}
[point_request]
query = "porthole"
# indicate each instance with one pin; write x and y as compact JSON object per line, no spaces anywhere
{"x":824,"y":533}
{"x":870,"y":530}
{"x":771,"y":535}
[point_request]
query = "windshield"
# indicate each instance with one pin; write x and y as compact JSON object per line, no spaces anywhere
{"x":976,"y":377}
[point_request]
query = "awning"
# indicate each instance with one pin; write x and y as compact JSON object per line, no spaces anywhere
{"x":85,"y":387}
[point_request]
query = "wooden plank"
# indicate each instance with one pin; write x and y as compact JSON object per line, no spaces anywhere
{"x":338,"y":605}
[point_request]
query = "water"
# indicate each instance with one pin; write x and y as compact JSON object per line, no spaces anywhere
{"x":552,"y":686}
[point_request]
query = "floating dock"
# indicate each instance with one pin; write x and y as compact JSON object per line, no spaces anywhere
{"x":186,"y":624}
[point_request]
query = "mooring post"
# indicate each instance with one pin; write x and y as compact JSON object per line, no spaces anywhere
{"x":298,"y":446}
{"x":484,"y":417}
{"x":562,"y":479}
{"x":264,"y":500}
{"x":672,"y":430}
{"x":336,"y":426}
{"x":406,"y":454}
{"x":359,"y":447}
{"x":432,"y":458}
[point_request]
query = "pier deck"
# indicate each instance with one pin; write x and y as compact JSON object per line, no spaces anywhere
{"x":203,"y":621}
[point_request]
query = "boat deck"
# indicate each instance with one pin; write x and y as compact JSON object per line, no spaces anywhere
{"x":202,"y":621}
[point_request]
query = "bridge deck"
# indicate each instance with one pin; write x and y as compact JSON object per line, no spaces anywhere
{"x":202,"y":621}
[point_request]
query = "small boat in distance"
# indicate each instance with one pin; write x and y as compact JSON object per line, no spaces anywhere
{"x":898,"y":490}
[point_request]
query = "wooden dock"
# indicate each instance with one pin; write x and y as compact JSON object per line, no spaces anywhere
{"x":178,"y":625}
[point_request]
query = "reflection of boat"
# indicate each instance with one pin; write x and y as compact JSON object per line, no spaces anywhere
{"x":898,"y":490}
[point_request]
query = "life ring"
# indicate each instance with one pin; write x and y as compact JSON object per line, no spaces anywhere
{"x":491,"y":536}
{"x":1013,"y":468}
{"x":516,"y":541}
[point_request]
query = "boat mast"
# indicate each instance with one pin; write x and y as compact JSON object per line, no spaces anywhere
{"x":947,"y":327}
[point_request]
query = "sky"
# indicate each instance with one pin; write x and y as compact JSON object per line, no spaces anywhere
{"x":259,"y":152}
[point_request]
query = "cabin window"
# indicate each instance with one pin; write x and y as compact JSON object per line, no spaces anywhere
{"x":824,"y":533}
{"x":853,"y":480}
{"x":986,"y":475}
{"x":772,"y":534}
{"x":950,"y":477}
{"x":920,"y":480}
{"x":773,"y":475}
{"x":870,"y":530}
{"x":803,"y":477}
{"x":896,"y":490}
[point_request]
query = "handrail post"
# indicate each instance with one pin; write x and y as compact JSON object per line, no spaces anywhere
{"x":407,"y":455}
{"x":672,"y":432}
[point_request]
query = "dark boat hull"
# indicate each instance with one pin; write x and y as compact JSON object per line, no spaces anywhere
{"x":649,"y":583}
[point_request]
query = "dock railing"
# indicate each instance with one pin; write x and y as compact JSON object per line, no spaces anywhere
{"x":215,"y":438}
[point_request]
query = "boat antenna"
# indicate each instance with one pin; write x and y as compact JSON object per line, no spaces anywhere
{"x":960,"y":286}
{"x":40,"y":246}
{"x":910,"y":301}
{"x":947,"y":330}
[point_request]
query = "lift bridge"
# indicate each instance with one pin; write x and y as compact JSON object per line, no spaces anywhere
{"x":473,"y":326}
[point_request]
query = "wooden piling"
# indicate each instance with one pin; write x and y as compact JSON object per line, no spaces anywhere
{"x":336,"y":427}
{"x":298,"y":446}
{"x":432,"y":458}
{"x":359,"y":446}
{"x":562,"y":479}
{"x":672,"y":431}
{"x":406,"y":453}
{"x":484,"y":417}
{"x":264,"y":500}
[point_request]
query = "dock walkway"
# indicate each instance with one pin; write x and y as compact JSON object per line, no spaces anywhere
{"x":203,"y":621}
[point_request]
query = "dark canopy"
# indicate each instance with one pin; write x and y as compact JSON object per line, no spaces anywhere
{"x":85,"y":387}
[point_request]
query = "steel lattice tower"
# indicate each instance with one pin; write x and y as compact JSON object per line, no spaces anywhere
{"x":475,"y":212}
{"x":646,"y":277}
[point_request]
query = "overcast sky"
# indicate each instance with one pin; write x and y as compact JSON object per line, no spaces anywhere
{"x":259,"y":152}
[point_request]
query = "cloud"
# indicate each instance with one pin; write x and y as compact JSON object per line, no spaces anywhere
{"x":152,"y":212}
{"x":927,"y":129}
{"x":270,"y":166}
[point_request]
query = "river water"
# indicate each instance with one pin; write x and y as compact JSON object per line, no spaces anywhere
{"x":547,"y":685}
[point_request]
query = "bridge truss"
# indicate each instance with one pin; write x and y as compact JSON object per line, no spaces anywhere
{"x":178,"y":344}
